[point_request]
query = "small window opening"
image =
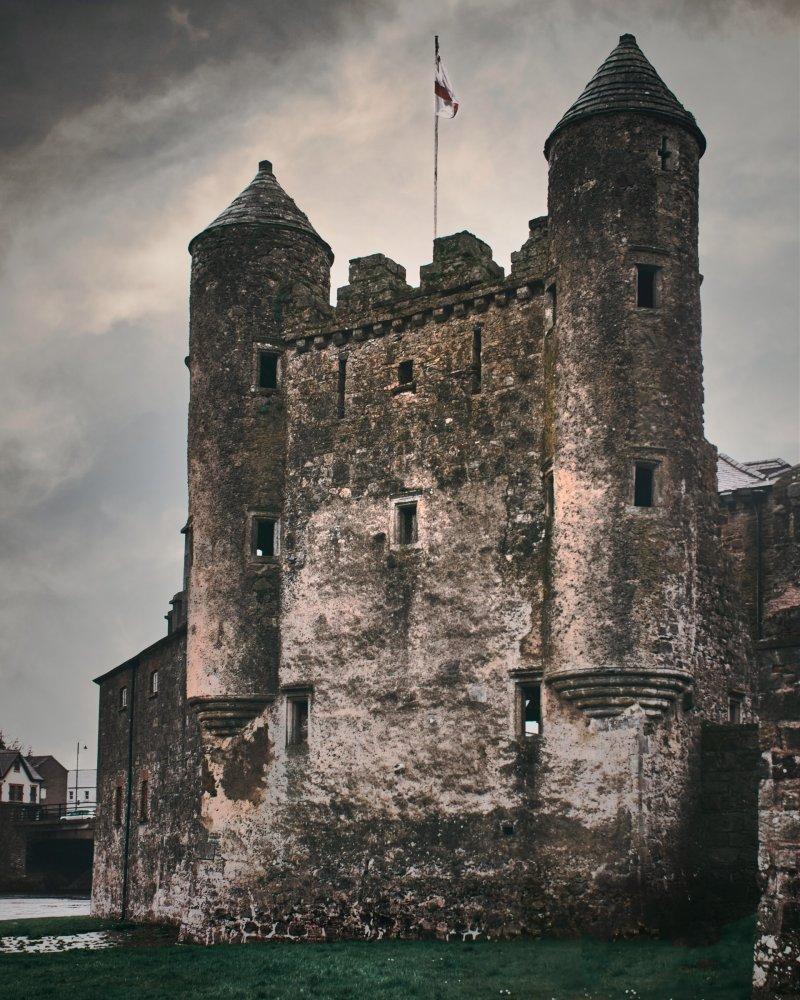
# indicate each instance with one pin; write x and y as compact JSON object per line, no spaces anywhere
{"x":86,"y":794}
{"x":735,"y":702}
{"x":123,"y":697}
{"x":16,"y":766}
{"x":476,"y":359}
{"x":643,"y":485}
{"x":15,"y":793}
{"x":553,"y":304}
{"x":267,"y":370}
{"x":549,"y":494}
{"x":33,"y":793}
{"x":405,"y":373}
{"x":646,"y":281}
{"x":687,"y":702}
{"x":342,"y":386}
{"x":71,"y":795}
{"x":530,"y":697}
{"x":154,"y":682}
{"x":407,"y":533}
{"x":664,"y":153}
{"x":298,"y":722}
{"x":117,"y":805}
{"x":144,"y":804}
{"x":265,"y":536}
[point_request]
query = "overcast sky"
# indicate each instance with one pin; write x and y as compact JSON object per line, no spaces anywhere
{"x":127,"y":126}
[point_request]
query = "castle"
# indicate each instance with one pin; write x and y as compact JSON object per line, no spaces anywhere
{"x":469,"y":641}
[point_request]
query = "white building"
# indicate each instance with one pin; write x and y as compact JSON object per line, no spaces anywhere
{"x":82,"y":789}
{"x":19,"y":779}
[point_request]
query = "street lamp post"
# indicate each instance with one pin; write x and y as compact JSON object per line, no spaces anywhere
{"x":77,"y":766}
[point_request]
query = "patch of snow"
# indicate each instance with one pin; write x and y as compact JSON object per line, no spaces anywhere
{"x":91,"y":940}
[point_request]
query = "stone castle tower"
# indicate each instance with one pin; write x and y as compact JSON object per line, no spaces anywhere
{"x":457,"y":615}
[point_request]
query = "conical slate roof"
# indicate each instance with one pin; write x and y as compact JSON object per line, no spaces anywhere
{"x":263,"y":203}
{"x":627,"y":82}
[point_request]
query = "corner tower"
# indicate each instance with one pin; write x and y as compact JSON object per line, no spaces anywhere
{"x":630,"y":455}
{"x":632,"y":475}
{"x":256,"y":269}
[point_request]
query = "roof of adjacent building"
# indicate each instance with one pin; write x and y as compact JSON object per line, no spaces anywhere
{"x":769,"y":467}
{"x":263,"y":203}
{"x":733,"y":475}
{"x":9,"y":757}
{"x":133,"y":662}
{"x":39,"y":759}
{"x":626,"y":81}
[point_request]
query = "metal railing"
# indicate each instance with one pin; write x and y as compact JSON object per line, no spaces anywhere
{"x":33,"y":812}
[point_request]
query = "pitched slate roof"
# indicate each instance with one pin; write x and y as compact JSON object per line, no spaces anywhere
{"x":769,"y":467}
{"x":7,"y":759}
{"x":627,"y":82}
{"x":263,"y":203}
{"x":733,"y":475}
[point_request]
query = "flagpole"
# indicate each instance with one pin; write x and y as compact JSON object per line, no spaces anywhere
{"x":435,"y":142}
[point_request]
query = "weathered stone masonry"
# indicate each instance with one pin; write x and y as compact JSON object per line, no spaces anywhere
{"x":448,"y":479}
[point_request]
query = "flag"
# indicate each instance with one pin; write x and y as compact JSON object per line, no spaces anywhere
{"x":446,"y":102}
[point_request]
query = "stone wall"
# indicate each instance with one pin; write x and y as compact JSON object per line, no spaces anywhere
{"x":13,"y":845}
{"x":761,"y":530}
{"x":777,"y":954}
{"x":727,"y":862}
{"x":152,"y":739}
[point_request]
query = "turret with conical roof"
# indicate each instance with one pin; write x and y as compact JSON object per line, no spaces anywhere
{"x":630,"y":463}
{"x":262,"y":205}
{"x":627,"y":81}
{"x":257,"y":269}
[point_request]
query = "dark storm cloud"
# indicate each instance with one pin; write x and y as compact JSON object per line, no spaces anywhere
{"x":58,"y":57}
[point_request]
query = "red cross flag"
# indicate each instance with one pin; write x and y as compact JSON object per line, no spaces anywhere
{"x":446,"y":101}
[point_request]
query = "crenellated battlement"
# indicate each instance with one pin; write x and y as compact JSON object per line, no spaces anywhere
{"x":462,"y":280}
{"x":375,"y":281}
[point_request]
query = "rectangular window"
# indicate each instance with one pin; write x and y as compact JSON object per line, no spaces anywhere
{"x":530,"y":709}
{"x":341,"y":387}
{"x":405,"y":373}
{"x":476,"y":359}
{"x":16,"y":767}
{"x":71,"y":795}
{"x":117,"y":805}
{"x":33,"y":793}
{"x":268,"y":370}
{"x":643,"y":484}
{"x":86,"y":794}
{"x":646,"y":286}
{"x":15,"y":793}
{"x":144,"y":804}
{"x":123,"y":697}
{"x":298,"y":722}
{"x":265,"y":537}
{"x":406,"y":526}
{"x":735,"y":702}
{"x":154,"y":682}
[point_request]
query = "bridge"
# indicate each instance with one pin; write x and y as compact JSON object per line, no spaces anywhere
{"x":49,"y":844}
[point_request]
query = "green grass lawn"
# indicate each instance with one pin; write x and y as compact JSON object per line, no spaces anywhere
{"x":41,"y":926}
{"x":388,"y":970}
